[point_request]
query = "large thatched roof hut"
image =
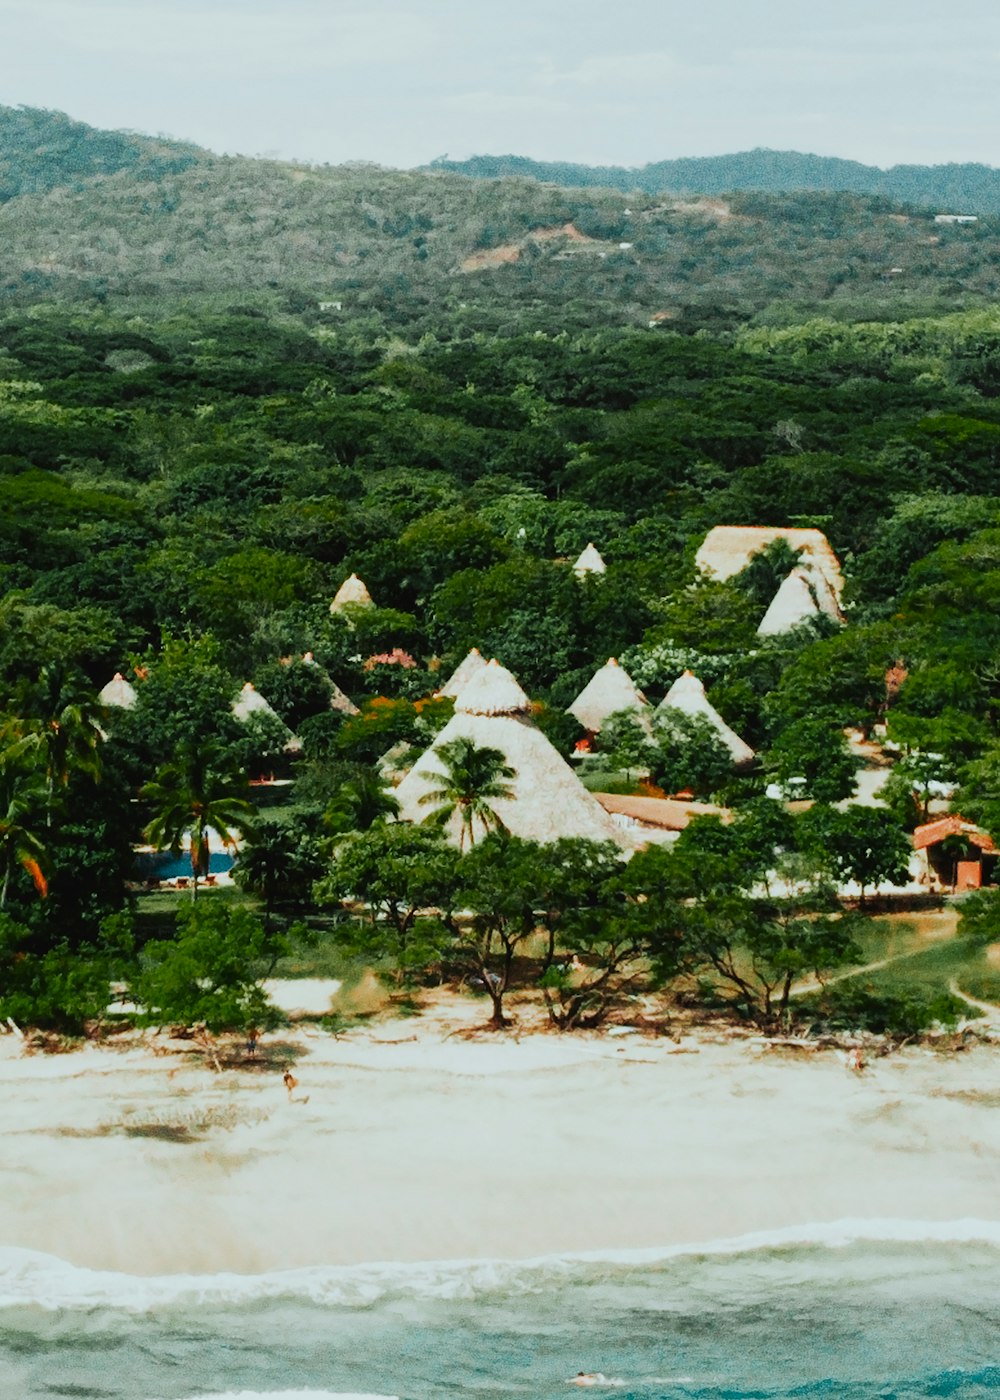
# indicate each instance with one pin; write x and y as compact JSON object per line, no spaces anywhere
{"x":611,"y":689}
{"x":548,"y":801}
{"x":351,"y":593}
{"x":463,"y":673}
{"x":727,"y":549}
{"x":590,"y":563}
{"x":118,"y":693}
{"x":687,"y":694}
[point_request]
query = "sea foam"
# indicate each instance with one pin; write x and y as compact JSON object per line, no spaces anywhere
{"x":32,"y":1279}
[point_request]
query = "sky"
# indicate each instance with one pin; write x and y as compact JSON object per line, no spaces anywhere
{"x":619,"y":82}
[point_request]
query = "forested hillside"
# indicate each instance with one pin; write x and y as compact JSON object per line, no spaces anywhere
{"x":40,"y":150}
{"x":100,"y":216}
{"x":225,"y":389}
{"x":963,"y":188}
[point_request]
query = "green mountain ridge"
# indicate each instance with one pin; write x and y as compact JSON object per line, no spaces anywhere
{"x":968,"y":188}
{"x":91,"y":216}
{"x":40,"y":150}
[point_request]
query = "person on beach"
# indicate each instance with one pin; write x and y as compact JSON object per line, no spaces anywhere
{"x":253,"y":1035}
{"x":857,"y":1061}
{"x":291,"y":1083}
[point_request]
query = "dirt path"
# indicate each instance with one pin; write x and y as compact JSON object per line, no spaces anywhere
{"x":989,"y":1009}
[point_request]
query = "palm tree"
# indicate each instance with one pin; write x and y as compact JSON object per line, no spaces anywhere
{"x":202,"y":788}
{"x":63,"y":716}
{"x":473,"y":779}
{"x":22,"y":800}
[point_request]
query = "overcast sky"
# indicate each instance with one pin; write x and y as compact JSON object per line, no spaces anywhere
{"x":600,"y":81}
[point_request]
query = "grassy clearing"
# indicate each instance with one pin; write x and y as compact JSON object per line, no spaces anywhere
{"x":925,"y":955}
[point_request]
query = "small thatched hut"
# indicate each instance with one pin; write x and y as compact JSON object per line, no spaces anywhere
{"x":589,"y":563}
{"x":548,"y":801}
{"x":250,"y":702}
{"x":728,"y":549}
{"x":351,"y":593}
{"x":687,"y":694}
{"x":118,"y":693}
{"x":462,"y":675}
{"x":611,"y":689}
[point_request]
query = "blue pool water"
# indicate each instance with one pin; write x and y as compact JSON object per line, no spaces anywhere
{"x":161,"y":865}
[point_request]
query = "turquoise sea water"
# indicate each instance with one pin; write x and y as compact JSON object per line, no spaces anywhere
{"x":857,"y":1310}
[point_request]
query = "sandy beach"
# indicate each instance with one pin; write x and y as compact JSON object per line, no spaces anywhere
{"x":407,"y":1141}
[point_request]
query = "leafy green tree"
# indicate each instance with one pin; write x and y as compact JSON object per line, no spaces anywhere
{"x":865,"y":845}
{"x":63,"y":717}
{"x":498,"y":884}
{"x":689,"y":753}
{"x":211,"y":972}
{"x":279,"y":862}
{"x":628,"y":743}
{"x":978,"y":795}
{"x":200,"y":790}
{"x":401,"y":873}
{"x":473,"y":779}
{"x":811,"y":759}
{"x":61,"y":989}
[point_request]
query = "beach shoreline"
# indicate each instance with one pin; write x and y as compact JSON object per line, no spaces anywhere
{"x":408,"y":1141}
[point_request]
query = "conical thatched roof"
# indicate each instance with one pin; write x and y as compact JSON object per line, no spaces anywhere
{"x":462,"y":675}
{"x":589,"y":562}
{"x":610,"y":690}
{"x":118,"y":693}
{"x":727,"y":549}
{"x":352,"y":592}
{"x":492,"y":691}
{"x":340,"y":702}
{"x":548,"y":801}
{"x":687,"y":694}
{"x":800,"y":598}
{"x":251,"y":702}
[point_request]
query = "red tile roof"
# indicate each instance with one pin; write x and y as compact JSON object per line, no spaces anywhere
{"x":932,"y":833}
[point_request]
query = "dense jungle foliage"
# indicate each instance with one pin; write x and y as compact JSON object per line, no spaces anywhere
{"x":185,"y":482}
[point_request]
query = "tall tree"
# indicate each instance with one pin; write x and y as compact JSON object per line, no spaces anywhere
{"x":201,"y":789}
{"x":63,"y":716}
{"x":472,"y":781}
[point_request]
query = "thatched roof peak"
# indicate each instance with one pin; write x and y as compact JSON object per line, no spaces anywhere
{"x":589,"y":562}
{"x":492,"y":691}
{"x":609,"y":690}
{"x":794,"y":603}
{"x":118,"y":693}
{"x":352,"y":592}
{"x":461,"y":676}
{"x":250,"y":702}
{"x":687,"y":694}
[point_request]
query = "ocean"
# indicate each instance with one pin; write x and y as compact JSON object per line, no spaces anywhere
{"x":849,"y":1311}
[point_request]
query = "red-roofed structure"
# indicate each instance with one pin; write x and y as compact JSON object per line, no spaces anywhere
{"x":956,"y":854}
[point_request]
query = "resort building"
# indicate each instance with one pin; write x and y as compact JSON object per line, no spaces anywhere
{"x":351,"y":593}
{"x":804,"y":595}
{"x":590,"y":563}
{"x":548,"y":800}
{"x":462,"y":675}
{"x":953,"y":854}
{"x":687,"y":694}
{"x":609,"y":691}
{"x":118,"y":693}
{"x":727,"y":550}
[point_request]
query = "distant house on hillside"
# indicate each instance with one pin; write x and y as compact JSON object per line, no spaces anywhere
{"x":956,"y":218}
{"x":954,"y":854}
